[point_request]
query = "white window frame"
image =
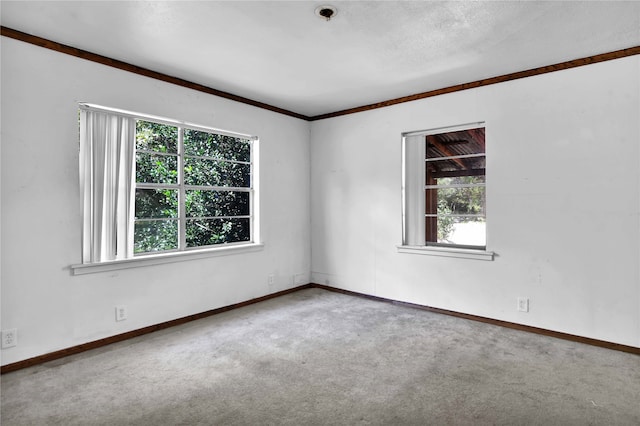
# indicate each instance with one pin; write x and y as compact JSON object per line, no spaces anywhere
{"x":413,"y":200}
{"x":185,"y":253}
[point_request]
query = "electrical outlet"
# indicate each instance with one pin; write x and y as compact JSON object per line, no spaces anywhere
{"x":9,"y":338}
{"x":121,"y":313}
{"x":271,"y":280}
{"x":523,"y":304}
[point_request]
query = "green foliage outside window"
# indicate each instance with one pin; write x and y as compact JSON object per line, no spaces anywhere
{"x":210,"y":160}
{"x":459,"y":201}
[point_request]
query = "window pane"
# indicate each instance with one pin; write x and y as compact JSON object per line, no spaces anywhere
{"x":462,"y":231}
{"x":216,"y":203}
{"x":205,"y":232}
{"x":156,"y":203}
{"x":156,"y":137}
{"x":216,"y":173}
{"x":447,"y":208}
{"x":216,"y":146}
{"x":155,"y":235}
{"x":456,"y":201}
{"x":152,"y":168}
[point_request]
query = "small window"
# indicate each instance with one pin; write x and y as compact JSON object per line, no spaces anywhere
{"x":153,"y":185}
{"x":444,"y":188}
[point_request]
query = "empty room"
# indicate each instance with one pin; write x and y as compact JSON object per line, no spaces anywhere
{"x":301,"y":212}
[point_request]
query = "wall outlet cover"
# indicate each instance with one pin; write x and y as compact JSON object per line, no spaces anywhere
{"x":523,"y":304}
{"x":9,"y":338}
{"x":121,"y":313}
{"x":271,"y":280}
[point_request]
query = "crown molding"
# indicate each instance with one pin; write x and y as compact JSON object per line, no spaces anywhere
{"x":489,"y":81}
{"x":83,"y":54}
{"x":104,"y":60}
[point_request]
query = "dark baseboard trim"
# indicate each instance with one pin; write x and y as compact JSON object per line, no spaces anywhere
{"x":150,"y":329}
{"x":83,"y":54}
{"x":506,"y":324}
{"x":139,"y":332}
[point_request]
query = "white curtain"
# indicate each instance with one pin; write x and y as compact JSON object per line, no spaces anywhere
{"x":414,"y":197}
{"x":107,"y":174}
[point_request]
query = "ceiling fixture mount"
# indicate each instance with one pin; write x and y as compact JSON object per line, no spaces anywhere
{"x":326,"y":12}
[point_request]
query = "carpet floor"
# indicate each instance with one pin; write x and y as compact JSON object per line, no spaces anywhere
{"x":316,"y":357}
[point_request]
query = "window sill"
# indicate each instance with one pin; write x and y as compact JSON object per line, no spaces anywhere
{"x":447,"y":252}
{"x":162,"y":258}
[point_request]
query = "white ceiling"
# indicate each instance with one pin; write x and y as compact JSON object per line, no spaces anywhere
{"x":280,"y":53}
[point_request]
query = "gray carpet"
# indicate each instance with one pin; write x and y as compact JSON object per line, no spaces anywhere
{"x":318,"y":357}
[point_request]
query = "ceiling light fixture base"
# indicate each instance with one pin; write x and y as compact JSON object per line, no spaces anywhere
{"x":326,"y":12}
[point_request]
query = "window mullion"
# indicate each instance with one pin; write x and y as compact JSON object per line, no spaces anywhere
{"x":252,"y":228}
{"x":454,"y":157}
{"x":222,"y":160}
{"x":182,"y":214}
{"x":457,"y":185}
{"x":142,"y":185}
{"x":218,"y":188}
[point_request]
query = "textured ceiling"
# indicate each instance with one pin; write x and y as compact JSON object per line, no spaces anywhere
{"x":280,"y":53}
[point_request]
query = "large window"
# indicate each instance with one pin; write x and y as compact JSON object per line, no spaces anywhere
{"x":193,"y":188}
{"x":153,"y":185}
{"x":444,"y":188}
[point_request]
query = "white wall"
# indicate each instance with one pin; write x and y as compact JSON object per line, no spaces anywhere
{"x":562,"y":203}
{"x":51,"y":308}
